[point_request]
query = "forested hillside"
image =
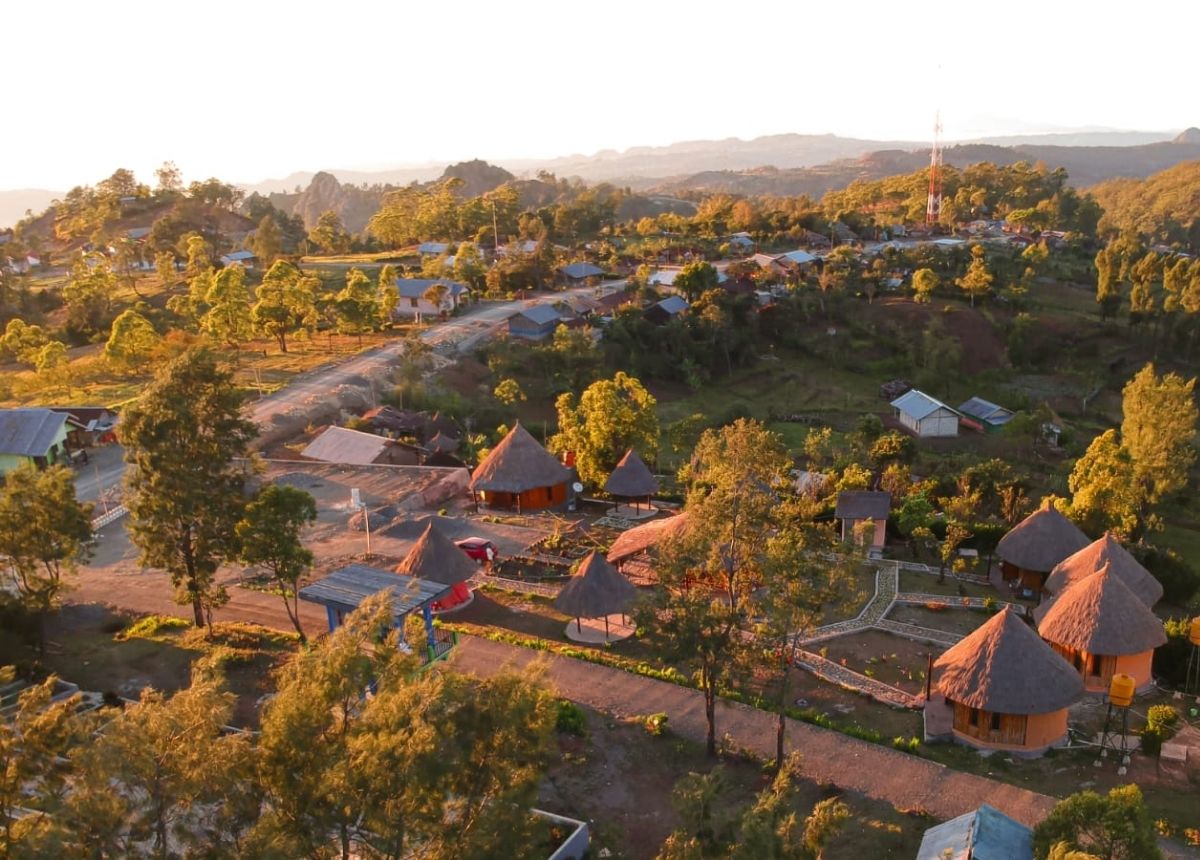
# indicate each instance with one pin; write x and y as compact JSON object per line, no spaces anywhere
{"x":1164,"y":207}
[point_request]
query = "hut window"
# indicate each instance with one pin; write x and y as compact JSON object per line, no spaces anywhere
{"x":973,"y":718}
{"x":995,"y":722}
{"x":1096,"y":662}
{"x":549,"y":494}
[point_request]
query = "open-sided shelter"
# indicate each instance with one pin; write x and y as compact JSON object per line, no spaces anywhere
{"x":632,"y":479}
{"x":596,"y":590}
{"x":519,"y":473}
{"x":1008,"y":688}
{"x":436,"y":558}
{"x":1101,"y":628}
{"x":1036,"y":545}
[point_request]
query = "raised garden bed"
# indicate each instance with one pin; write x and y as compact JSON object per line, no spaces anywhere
{"x":531,"y":569}
{"x":894,"y":660}
{"x":952,"y":619}
{"x":924,"y":583}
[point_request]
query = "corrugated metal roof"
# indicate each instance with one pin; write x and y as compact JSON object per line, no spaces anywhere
{"x":863,"y":505}
{"x":918,"y":404}
{"x":415,"y":288}
{"x":798,"y":257}
{"x":432,"y":248}
{"x":581,"y":270}
{"x":238,"y":256}
{"x":673,"y":305}
{"x":985,"y":410}
{"x":349,"y":586}
{"x":985,"y":834}
{"x":539,"y":314}
{"x":343,"y":445}
{"x":29,"y":432}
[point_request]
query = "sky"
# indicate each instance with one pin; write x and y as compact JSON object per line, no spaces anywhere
{"x":256,"y":89}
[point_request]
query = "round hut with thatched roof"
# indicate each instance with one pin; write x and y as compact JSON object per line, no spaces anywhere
{"x":1008,"y":688}
{"x":1101,"y":628}
{"x":519,"y":473}
{"x":436,"y":558}
{"x":1094,"y":556}
{"x":596,"y":590}
{"x":1036,"y":544}
{"x":633,"y":552}
{"x":632,"y":480}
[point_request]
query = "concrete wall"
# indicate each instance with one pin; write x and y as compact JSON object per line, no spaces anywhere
{"x":576,"y":845}
{"x":940,"y":423}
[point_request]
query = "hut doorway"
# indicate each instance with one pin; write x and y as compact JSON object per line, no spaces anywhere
{"x":990,"y":727}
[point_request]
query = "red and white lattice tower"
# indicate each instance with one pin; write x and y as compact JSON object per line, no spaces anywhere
{"x":933,"y":205}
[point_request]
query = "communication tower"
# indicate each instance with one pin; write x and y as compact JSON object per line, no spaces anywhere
{"x":933,"y":205}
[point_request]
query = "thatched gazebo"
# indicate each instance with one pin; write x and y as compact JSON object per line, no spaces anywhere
{"x":596,"y":590}
{"x":1101,"y":627}
{"x":632,"y":479}
{"x":1008,"y":688}
{"x":436,"y":558}
{"x":1104,"y":551}
{"x":519,"y":473}
{"x":1036,"y":544}
{"x":633,"y":552}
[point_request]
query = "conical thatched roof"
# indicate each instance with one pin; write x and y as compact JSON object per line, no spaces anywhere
{"x":1106,"y":550}
{"x":632,"y":477}
{"x":1004,"y":667}
{"x":518,"y":464}
{"x":1041,"y":540}
{"x":1101,"y":615}
{"x":595,"y":590}
{"x":640,"y":538}
{"x":435,"y":557}
{"x":442,"y":444}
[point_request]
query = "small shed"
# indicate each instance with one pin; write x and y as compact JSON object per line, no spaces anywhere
{"x":32,"y":435}
{"x":415,"y":296}
{"x":519,"y":473}
{"x":355,"y":448}
{"x":534,"y":323}
{"x":436,"y":558}
{"x":857,"y":506}
{"x":344,"y":590}
{"x":87,"y":425}
{"x":1101,"y":628}
{"x":662,"y":312}
{"x":245,"y":258}
{"x":988,"y":414}
{"x":1009,"y":689}
{"x":632,"y":479}
{"x":925,"y":416}
{"x":432,"y":249}
{"x":985,"y":834}
{"x":596,"y":590}
{"x":1036,"y":545}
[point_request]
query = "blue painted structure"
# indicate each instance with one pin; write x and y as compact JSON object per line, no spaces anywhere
{"x":344,"y":590}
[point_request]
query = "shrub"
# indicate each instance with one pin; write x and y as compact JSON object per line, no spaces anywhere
{"x":989,"y":603}
{"x":151,"y":626}
{"x":571,"y":719}
{"x":1162,"y":717}
{"x":656,"y":724}
{"x":1152,"y":741}
{"x":1170,"y":661}
{"x":1179,"y":581}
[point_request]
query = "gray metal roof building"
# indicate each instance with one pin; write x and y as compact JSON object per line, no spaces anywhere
{"x":346,"y":588}
{"x":29,"y":432}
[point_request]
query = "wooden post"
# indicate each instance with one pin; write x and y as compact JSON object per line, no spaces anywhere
{"x":578,"y":625}
{"x":605,"y":628}
{"x":928,"y":674}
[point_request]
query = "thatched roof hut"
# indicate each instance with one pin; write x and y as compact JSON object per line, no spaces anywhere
{"x":631,"y":478}
{"x":1101,"y":615}
{"x":436,"y":558}
{"x":1004,"y":667}
{"x":596,"y":590}
{"x":1041,"y":540}
{"x":641,"y":538}
{"x":1106,"y":551}
{"x":442,"y":444}
{"x":518,"y":464}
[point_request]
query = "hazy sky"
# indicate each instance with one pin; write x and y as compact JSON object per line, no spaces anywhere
{"x":252,"y":90}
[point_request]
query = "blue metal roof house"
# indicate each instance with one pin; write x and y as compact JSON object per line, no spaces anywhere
{"x":580,"y":271}
{"x":661,"y":313}
{"x":924,"y":415}
{"x":535,"y":323}
{"x":985,"y":834}
{"x":991,"y":416}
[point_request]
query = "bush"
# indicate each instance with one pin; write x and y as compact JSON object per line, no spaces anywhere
{"x":1179,"y":581}
{"x":1152,"y":741}
{"x":151,"y":626}
{"x":1170,"y":660}
{"x":1162,"y":716}
{"x":989,"y":603}
{"x":571,"y":719}
{"x":656,"y":724}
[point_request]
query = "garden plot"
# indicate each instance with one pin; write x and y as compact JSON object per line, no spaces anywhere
{"x":890,"y":659}
{"x":948,"y":617}
{"x":912,"y":582}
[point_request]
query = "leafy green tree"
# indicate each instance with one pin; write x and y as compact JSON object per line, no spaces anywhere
{"x":164,"y":265}
{"x":228,"y":319}
{"x":1108,"y":284}
{"x":699,"y":615}
{"x":269,"y":536}
{"x":329,"y":235}
{"x":267,"y":241}
{"x":1116,"y":826}
{"x":199,"y":255}
{"x":185,"y":492}
{"x":23,"y":341}
{"x":356,"y":306}
{"x":1159,"y":429}
{"x":287,"y":303}
{"x":695,"y":279}
{"x":508,"y":391}
{"x":132,"y":340}
{"x":609,"y":418}
{"x":89,"y":293}
{"x":44,"y":533}
{"x":924,"y":283}
{"x":1106,"y":494}
{"x":978,"y":280}
{"x":389,"y":296}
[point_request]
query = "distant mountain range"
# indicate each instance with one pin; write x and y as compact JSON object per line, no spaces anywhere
{"x":776,"y":164}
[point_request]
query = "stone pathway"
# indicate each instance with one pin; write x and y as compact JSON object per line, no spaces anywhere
{"x":848,"y":679}
{"x":911,"y":597}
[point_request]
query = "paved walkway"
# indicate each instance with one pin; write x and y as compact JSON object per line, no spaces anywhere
{"x":900,"y":779}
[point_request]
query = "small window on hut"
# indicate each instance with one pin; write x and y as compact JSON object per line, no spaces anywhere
{"x":995,"y":722}
{"x":973,"y":718}
{"x":1096,"y":662}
